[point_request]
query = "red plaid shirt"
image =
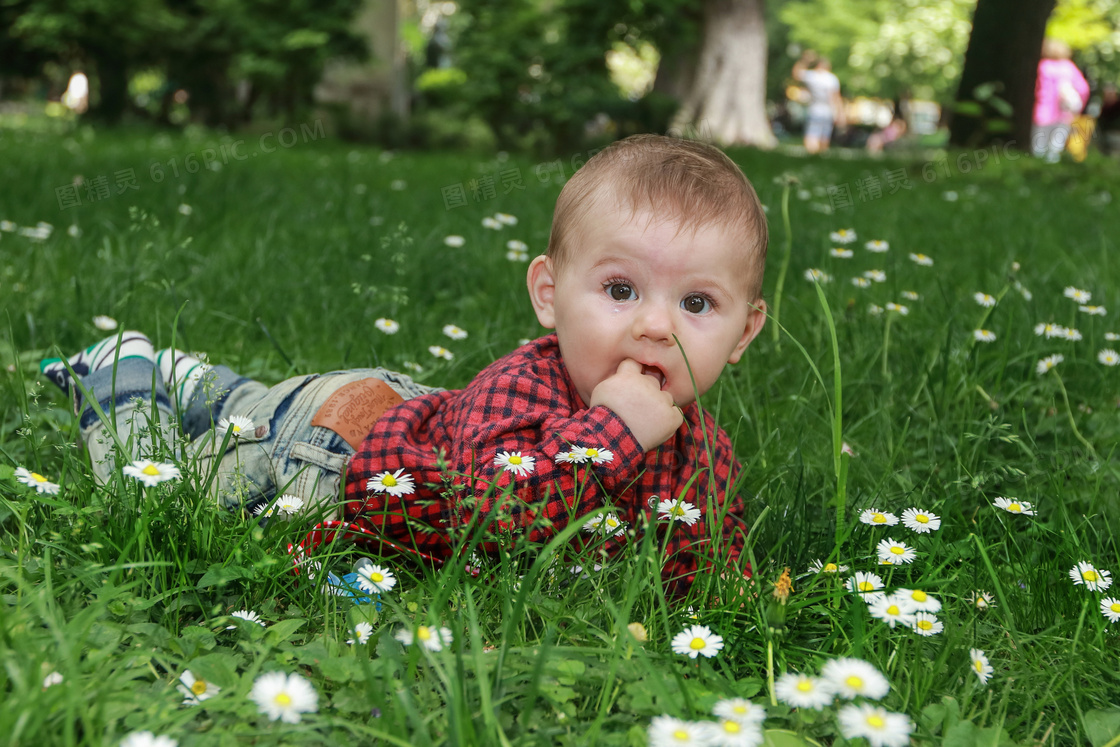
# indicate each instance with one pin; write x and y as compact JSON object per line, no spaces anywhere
{"x":525,"y":403}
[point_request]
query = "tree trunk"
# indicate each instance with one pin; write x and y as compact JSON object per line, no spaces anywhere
{"x":1003,"y":49}
{"x":112,"y":79}
{"x":726,"y":101}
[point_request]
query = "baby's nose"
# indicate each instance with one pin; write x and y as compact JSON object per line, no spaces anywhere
{"x":653,"y":322}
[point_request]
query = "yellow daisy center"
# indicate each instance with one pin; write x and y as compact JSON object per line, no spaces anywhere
{"x":894,"y":610}
{"x":199,"y":687}
{"x":925,"y":625}
{"x":592,"y":453}
{"x":879,"y":518}
{"x":612,"y":523}
{"x":1015,"y":508}
{"x":680,"y":734}
{"x":981,"y":602}
{"x":732,"y":727}
{"x":389,"y":481}
{"x":283,"y":699}
{"x":876,"y":722}
{"x":1115,"y":607}
{"x":741,"y":709}
{"x":830,"y":568}
{"x":151,"y":469}
{"x":919,"y":596}
{"x":1090,"y":576}
{"x":979,"y":665}
{"x":854,"y":682}
{"x":377,"y":577}
{"x":515,"y":459}
{"x":37,"y":477}
{"x":697,"y":644}
{"x":805,"y":686}
{"x":898,"y":550}
{"x":677,"y":511}
{"x":921,"y":519}
{"x":866,"y":586}
{"x":424,"y":633}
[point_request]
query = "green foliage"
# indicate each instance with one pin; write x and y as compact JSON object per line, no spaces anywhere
{"x":1090,"y":28}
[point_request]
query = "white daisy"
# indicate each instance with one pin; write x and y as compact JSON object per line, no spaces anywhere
{"x":921,"y":259}
{"x":1094,"y":579}
{"x":921,"y":521}
{"x":609,"y":524}
{"x":1109,"y":357}
{"x":394,"y":483}
{"x":910,"y":295}
{"x":696,"y":640}
{"x":903,"y":310}
{"x":515,"y":463}
{"x":1047,"y":363}
{"x":864,"y":583}
{"x":454,"y":241}
{"x":247,"y":616}
{"x":388,"y":326}
{"x":980,"y":666}
{"x":594,"y":455}
{"x":852,"y":678}
{"x":840,"y":253}
{"x":983,"y":335}
{"x":919,"y":600}
{"x":150,"y":473}
{"x":516,"y":245}
{"x":284,"y":696}
{"x":874,"y":309}
{"x":105,"y":323}
{"x":515,"y":256}
{"x":491,"y":223}
{"x":803,"y":691}
{"x":569,"y":457}
{"x":949,"y":196}
{"x":820,"y":567}
{"x":861,"y":282}
{"x":843,"y":236}
{"x":398,"y":185}
{"x":236,"y":425}
{"x":506,"y":219}
{"x":880,"y":727}
{"x":375,"y":579}
{"x":1081,"y":296}
{"x":817,"y":276}
{"x":289,"y":505}
{"x":7,"y":226}
{"x":892,"y":552}
{"x":981,"y":600}
{"x":1049,"y":330}
{"x":185,"y":209}
{"x":1093,"y":310}
{"x":1110,"y":608}
{"x":455,"y":333}
{"x":431,"y":638}
{"x":877,"y":518}
{"x":362,"y":633}
{"x":985,"y":300}
{"x":1111,"y":336}
{"x":667,"y":731}
{"x":1069,"y":333}
{"x":739,"y":709}
{"x":732,"y":733}
{"x":893,"y":610}
{"x":55,"y":678}
{"x":195,"y":689}
{"x":440,"y":352}
{"x":37,"y":481}
{"x":148,"y":739}
{"x":1014,"y":506}
{"x":877,"y":275}
{"x":681,"y":511}
{"x":878,"y":246}
{"x":927,"y":624}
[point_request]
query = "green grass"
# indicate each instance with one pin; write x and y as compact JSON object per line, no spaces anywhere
{"x":279,"y":269}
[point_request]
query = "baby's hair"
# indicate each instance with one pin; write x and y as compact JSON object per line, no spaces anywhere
{"x":687,"y":181}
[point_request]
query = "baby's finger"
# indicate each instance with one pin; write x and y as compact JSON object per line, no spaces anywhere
{"x":629,"y":366}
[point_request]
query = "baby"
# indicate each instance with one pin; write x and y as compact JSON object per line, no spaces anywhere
{"x":652,"y":282}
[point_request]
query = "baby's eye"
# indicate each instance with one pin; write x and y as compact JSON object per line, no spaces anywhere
{"x":621,"y":291}
{"x":697,"y":304}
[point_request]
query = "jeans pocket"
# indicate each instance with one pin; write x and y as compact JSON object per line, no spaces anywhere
{"x":317,"y":478}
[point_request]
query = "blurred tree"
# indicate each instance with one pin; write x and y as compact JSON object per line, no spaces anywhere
{"x":1092,"y":29}
{"x":995,"y":100}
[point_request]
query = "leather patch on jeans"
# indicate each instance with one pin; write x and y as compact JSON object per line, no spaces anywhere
{"x":354,"y":408}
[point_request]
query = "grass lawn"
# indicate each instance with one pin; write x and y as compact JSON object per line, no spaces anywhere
{"x":276,"y":253}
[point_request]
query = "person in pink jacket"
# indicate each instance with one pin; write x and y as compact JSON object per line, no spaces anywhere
{"x":1059,"y":95}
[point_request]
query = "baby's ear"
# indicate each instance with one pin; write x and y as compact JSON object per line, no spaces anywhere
{"x":542,"y":290}
{"x":755,"y":319}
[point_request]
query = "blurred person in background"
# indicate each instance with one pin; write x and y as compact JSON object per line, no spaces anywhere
{"x":826,"y":108}
{"x":76,"y":97}
{"x":1060,"y":94}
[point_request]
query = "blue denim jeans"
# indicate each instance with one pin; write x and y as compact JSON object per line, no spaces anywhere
{"x":282,"y":453}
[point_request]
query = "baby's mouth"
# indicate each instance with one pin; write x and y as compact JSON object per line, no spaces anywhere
{"x":656,"y":373}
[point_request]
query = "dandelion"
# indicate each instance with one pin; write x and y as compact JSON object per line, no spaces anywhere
{"x":840,"y":253}
{"x":284,"y":696}
{"x":875,"y":517}
{"x":1014,"y":506}
{"x":185,"y":209}
{"x":921,"y":259}
{"x":897,"y":307}
{"x":895,"y":553}
{"x":803,"y":691}
{"x":375,"y":579}
{"x":680,"y":510}
{"x":877,"y":275}
{"x":237,"y":425}
{"x":492,"y":223}
{"x":1109,"y":357}
{"x":455,"y":333}
{"x":910,"y":295}
{"x":1076,"y":294}
{"x":37,"y":481}
{"x":863,"y":582}
{"x":919,"y":600}
{"x":593,"y":454}
{"x":362,"y":633}
{"x":248,"y":616}
{"x":843,"y":236}
{"x":1094,"y":579}
{"x":150,"y":473}
{"x":394,"y":483}
{"x":516,"y":463}
{"x":820,"y":567}
{"x":983,"y":335}
{"x":739,"y":709}
{"x":696,"y":640}
{"x":506,"y":219}
{"x":981,"y":600}
{"x":984,"y":300}
{"x":817,"y":276}
{"x":861,"y":282}
{"x":667,"y":731}
{"x":148,"y":739}
{"x":1047,"y":363}
{"x":1093,"y":310}
{"x":927,"y":624}
{"x":195,"y":689}
{"x":431,"y":638}
{"x":1110,"y":608}
{"x":980,"y":666}
{"x":852,"y":678}
{"x":880,"y":727}
{"x":878,"y":246}
{"x":454,"y":241}
{"x":609,"y":524}
{"x":104,"y":323}
{"x":52,"y":679}
{"x":388,"y":326}
{"x":893,"y":610}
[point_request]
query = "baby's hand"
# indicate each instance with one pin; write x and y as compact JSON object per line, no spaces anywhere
{"x":648,"y":411}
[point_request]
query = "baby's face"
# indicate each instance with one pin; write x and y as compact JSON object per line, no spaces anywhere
{"x":632,"y":285}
